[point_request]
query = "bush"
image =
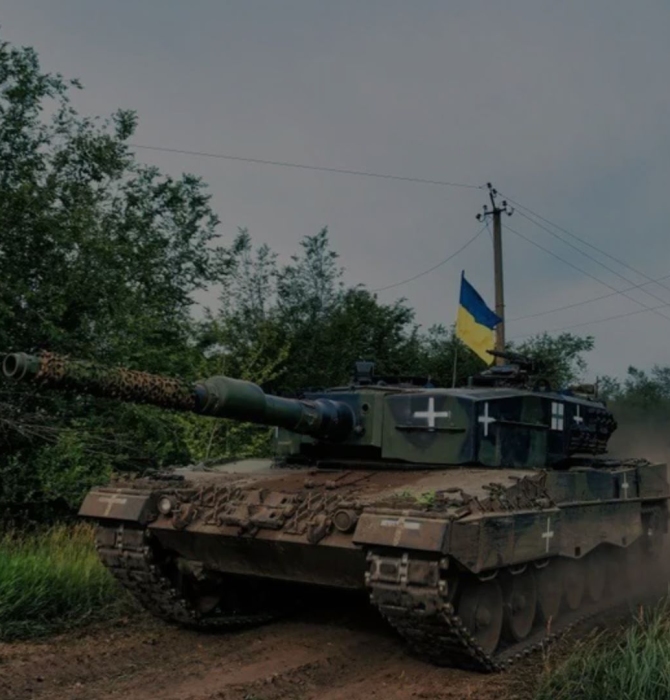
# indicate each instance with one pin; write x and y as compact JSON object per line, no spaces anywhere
{"x":629,"y":664}
{"x":53,"y":580}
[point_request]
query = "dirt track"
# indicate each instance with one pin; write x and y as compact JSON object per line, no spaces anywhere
{"x":343,"y":654}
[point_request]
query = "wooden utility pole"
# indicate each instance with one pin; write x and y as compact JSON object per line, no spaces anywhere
{"x":495,"y":213}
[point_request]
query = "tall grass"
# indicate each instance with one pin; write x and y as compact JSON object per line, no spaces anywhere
{"x":628,"y":664}
{"x":53,"y":580}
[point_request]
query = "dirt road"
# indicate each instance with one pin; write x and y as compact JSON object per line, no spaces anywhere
{"x":344,"y":653}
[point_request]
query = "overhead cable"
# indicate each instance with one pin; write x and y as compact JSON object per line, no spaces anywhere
{"x":588,"y":274}
{"x":586,"y":301}
{"x":598,"y":320}
{"x":590,"y":257}
{"x":584,"y":241}
{"x":434,"y":267}
{"x":303,"y":166}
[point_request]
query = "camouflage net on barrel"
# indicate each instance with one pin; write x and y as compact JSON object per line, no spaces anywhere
{"x":57,"y":371}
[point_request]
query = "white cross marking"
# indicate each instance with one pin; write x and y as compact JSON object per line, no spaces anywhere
{"x":578,"y":416}
{"x":486,"y":419}
{"x":112,"y":501}
{"x":625,"y":485}
{"x":400,"y":524}
{"x":557,"y":416}
{"x":546,"y":536}
{"x":430,"y":415}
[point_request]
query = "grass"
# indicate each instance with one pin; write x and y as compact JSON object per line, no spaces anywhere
{"x":53,"y":580}
{"x":408,"y":498}
{"x":627,"y":664}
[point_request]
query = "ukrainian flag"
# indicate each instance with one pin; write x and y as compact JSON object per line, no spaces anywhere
{"x":475,"y":322}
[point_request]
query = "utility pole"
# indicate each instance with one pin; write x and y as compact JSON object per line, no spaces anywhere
{"x":496,"y":212}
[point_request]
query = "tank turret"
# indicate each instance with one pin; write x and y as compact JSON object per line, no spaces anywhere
{"x":220,"y":397}
{"x":498,"y":421}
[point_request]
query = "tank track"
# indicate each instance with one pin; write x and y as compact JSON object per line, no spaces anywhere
{"x":422,"y":614}
{"x":429,"y":624}
{"x":133,"y":558}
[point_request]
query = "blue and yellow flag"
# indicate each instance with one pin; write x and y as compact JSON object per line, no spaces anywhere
{"x":475,"y":322}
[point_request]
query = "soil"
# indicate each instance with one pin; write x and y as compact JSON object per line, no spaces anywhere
{"x":344,"y":652}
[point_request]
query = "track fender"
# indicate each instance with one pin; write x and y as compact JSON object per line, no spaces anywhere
{"x":118,"y":504}
{"x":404,"y":530}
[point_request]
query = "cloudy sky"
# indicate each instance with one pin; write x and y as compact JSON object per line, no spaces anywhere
{"x":564,"y":106}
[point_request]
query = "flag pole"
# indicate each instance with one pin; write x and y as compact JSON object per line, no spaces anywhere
{"x":453,"y":379}
{"x":455,"y":339}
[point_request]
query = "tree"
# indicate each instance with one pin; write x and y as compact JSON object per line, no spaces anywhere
{"x":561,"y":357}
{"x":641,"y":406}
{"x":439,"y":349}
{"x":640,"y":390}
{"x":100,"y":256}
{"x":304,"y":312}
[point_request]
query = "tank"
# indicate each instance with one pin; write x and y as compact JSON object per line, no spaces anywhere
{"x":481,"y":521}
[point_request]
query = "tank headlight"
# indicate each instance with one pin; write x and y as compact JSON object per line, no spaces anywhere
{"x":165,"y":505}
{"x":345,"y":520}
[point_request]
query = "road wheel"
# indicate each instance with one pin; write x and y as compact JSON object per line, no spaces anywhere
{"x":549,"y":592}
{"x":520,"y":601}
{"x":480,"y":608}
{"x":574,"y":582}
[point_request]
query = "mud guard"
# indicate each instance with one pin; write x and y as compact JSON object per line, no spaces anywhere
{"x":119,"y":504}
{"x":397,"y":530}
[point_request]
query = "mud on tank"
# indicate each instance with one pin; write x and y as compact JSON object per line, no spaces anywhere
{"x":482,"y":520}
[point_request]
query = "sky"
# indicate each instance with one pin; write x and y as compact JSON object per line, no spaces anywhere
{"x":564,"y":107}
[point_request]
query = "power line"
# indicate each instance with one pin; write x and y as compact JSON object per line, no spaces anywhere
{"x":444,"y":183}
{"x":434,"y":267}
{"x":302,"y":166}
{"x":590,"y":257}
{"x":588,"y":274}
{"x":598,"y":320}
{"x":587,"y":301}
{"x":586,"y":243}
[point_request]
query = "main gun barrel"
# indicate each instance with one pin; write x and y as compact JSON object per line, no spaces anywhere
{"x":221,"y":397}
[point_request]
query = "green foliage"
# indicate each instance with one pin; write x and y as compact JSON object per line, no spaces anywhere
{"x":427,"y":499}
{"x":641,"y":406}
{"x":100,"y":257}
{"x":207,"y":439}
{"x":54,"y":580}
{"x":438,"y":349}
{"x":100,"y":253}
{"x":630,"y":665}
{"x":639,"y":390}
{"x":66,"y":468}
{"x":561,"y":356}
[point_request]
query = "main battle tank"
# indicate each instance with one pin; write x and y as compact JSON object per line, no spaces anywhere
{"x":482,"y":521}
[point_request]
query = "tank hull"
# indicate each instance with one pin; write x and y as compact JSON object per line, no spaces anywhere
{"x":430,"y":546}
